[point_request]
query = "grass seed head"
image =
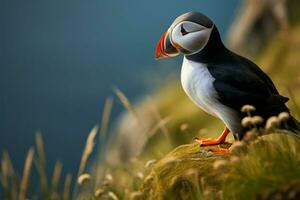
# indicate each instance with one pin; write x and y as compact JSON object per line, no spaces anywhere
{"x":112,"y":196}
{"x":140,"y":175}
{"x":184,"y":127}
{"x":247,"y":121}
{"x":150,"y":163}
{"x":257,"y":120}
{"x":248,"y":108}
{"x":284,"y":116}
{"x":148,"y":179}
{"x":250,"y":136}
{"x":83,"y":179}
{"x":192,"y":172}
{"x":136,"y":195}
{"x":207,"y":193}
{"x":220,"y":164}
{"x":108,"y":180}
{"x":237,"y":147}
{"x":99,"y":192}
{"x":109,"y":177}
{"x":234,"y":160}
{"x":272,"y":122}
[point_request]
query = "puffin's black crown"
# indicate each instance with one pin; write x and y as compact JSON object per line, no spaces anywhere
{"x":195,"y":17}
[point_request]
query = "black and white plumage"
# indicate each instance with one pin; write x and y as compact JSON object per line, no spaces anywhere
{"x":216,"y":79}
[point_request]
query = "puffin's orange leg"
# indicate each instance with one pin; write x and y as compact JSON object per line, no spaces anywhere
{"x":210,"y":142}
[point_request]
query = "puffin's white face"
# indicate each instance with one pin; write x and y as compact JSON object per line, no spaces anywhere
{"x":188,"y":34}
{"x":189,"y":37}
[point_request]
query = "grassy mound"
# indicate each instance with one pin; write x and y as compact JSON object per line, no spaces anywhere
{"x":256,"y":168}
{"x":169,"y":174}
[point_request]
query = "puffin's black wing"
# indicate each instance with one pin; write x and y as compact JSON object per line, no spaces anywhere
{"x":239,"y":82}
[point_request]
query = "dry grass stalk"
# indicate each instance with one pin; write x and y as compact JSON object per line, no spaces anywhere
{"x":40,"y":148}
{"x":26,"y":174}
{"x":67,"y":187}
{"x":56,"y":176}
{"x":102,"y":137}
{"x":5,"y":171}
{"x":8,"y":177}
{"x":2,"y":180}
{"x":157,"y":126}
{"x":105,"y":116}
{"x":158,"y":117}
{"x":88,"y":149}
{"x":6,"y":165}
{"x":41,"y":163}
{"x":128,"y":106}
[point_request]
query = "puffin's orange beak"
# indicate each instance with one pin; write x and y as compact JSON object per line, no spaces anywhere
{"x":164,"y":48}
{"x":160,"y":48}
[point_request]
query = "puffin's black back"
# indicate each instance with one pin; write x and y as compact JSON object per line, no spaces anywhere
{"x":239,"y":82}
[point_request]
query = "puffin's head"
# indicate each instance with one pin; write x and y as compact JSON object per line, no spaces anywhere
{"x":188,"y":34}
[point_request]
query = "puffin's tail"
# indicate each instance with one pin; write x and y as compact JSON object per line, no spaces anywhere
{"x":293,"y":125}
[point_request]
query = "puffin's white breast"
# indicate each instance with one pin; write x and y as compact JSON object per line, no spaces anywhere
{"x":197,"y":82}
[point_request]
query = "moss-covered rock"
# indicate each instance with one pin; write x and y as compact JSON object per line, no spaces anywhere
{"x":254,"y":167}
{"x":177,"y":175}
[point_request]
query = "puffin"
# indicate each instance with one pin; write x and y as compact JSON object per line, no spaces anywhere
{"x":217,"y":80}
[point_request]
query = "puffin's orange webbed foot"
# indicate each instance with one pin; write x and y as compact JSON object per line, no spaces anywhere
{"x":221,"y":151}
{"x":210,"y":142}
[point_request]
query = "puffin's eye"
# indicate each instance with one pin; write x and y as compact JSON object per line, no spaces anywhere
{"x":183,"y":31}
{"x":190,"y":27}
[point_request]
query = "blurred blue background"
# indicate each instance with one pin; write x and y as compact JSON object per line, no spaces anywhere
{"x":59,"y":60}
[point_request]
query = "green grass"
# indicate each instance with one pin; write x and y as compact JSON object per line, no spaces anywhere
{"x":258,"y":167}
{"x":267,"y":164}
